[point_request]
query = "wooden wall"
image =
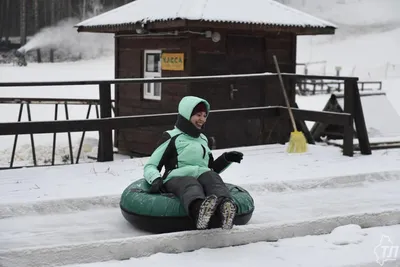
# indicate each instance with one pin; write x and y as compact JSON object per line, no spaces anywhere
{"x":129,"y":97}
{"x":235,"y":53}
{"x":239,"y":53}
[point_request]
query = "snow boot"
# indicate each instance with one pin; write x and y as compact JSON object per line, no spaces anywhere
{"x":227,"y":211}
{"x":206,"y":210}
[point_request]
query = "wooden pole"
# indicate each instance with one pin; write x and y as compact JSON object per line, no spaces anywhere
{"x":348,"y":142}
{"x":105,"y":150}
{"x":359,"y":121}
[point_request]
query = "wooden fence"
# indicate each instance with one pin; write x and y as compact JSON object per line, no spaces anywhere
{"x":105,"y":124}
{"x":313,"y":87}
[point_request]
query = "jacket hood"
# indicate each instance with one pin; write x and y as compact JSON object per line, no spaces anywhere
{"x":188,"y":103}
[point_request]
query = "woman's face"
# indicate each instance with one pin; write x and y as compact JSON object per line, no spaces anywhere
{"x":198,"y":119}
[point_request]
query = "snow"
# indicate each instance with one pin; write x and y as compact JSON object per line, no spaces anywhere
{"x":377,"y":127}
{"x":145,"y":246}
{"x":97,"y":217}
{"x":101,"y":68}
{"x":365,"y":44}
{"x":392,"y":87}
{"x":68,"y":43}
{"x":74,"y":209}
{"x":314,"y":209}
{"x":369,"y":12}
{"x":362,"y":248}
{"x":320,"y":166}
{"x":257,"y":11}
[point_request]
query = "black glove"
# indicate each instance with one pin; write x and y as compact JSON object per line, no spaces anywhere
{"x":156,"y":186}
{"x":234,"y":156}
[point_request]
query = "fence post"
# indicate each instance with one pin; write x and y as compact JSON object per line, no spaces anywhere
{"x":348,"y":142}
{"x":361,"y":128}
{"x":105,"y":150}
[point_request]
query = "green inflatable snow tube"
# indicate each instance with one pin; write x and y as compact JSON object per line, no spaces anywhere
{"x":163,"y":213}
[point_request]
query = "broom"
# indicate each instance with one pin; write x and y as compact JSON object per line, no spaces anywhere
{"x":297,"y":141}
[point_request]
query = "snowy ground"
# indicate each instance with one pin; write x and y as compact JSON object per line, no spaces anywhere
{"x":55,"y":216}
{"x":345,"y":246}
{"x":76,"y":207}
{"x":81,"y":70}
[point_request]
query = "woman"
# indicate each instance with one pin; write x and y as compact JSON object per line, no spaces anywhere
{"x":191,"y":173}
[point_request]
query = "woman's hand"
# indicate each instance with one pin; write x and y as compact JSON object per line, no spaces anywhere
{"x":156,"y":186}
{"x":234,"y":156}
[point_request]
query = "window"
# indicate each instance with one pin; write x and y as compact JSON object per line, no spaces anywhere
{"x":152,"y":69}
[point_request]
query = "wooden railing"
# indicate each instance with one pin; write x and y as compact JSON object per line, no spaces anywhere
{"x":313,"y":87}
{"x":105,"y":124}
{"x":57,"y":103}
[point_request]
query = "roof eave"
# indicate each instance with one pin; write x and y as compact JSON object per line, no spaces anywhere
{"x":176,"y":24}
{"x":328,"y":30}
{"x":130,"y":27}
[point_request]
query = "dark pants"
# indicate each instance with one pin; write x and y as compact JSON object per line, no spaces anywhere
{"x":188,"y":189}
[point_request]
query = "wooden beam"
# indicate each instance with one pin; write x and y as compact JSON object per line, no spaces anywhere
{"x":300,"y":124}
{"x":125,"y":122}
{"x":175,"y":79}
{"x":318,"y":116}
{"x":35,"y":100}
{"x":105,"y":151}
{"x":349,"y":95}
{"x":359,"y":120}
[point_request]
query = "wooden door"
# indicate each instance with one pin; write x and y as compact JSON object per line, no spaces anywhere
{"x":206,"y":63}
{"x":245,"y":55}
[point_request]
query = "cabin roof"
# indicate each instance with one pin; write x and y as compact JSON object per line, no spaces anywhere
{"x":256,"y":12}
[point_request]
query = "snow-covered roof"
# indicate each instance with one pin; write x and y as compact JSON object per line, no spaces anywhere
{"x":262,"y":12}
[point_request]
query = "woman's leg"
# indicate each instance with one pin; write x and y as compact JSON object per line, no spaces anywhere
{"x":191,"y":194}
{"x":214,"y":185}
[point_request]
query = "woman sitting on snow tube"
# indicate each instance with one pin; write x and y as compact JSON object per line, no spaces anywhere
{"x":191,"y":175}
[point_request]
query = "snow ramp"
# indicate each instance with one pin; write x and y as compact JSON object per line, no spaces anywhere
{"x":133,"y":247}
{"x":86,"y":230}
{"x":383,"y":123}
{"x":69,"y":214}
{"x":381,"y":118}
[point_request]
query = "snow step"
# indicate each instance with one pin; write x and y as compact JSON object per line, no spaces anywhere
{"x":140,"y":246}
{"x":100,"y":231}
{"x":107,"y":223}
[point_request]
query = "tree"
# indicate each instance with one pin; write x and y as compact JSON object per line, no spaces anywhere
{"x":23,"y":22}
{"x":37,"y":25}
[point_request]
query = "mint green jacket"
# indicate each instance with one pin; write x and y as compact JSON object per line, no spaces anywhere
{"x":192,"y":157}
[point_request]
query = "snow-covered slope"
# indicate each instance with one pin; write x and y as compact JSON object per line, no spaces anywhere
{"x":365,"y":44}
{"x":351,"y":12}
{"x":346,"y":246}
{"x":74,"y":217}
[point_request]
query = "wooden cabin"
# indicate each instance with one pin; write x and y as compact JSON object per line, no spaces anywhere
{"x":169,"y":38}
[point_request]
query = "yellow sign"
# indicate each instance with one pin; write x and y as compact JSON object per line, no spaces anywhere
{"x":172,"y":61}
